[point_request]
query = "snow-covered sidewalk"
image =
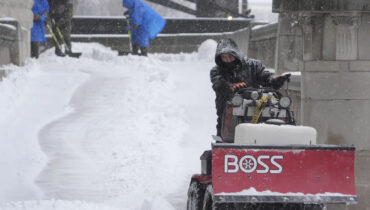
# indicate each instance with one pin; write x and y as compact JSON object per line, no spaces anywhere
{"x":102,"y":131}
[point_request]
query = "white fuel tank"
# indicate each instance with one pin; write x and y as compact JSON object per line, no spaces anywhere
{"x":247,"y":133}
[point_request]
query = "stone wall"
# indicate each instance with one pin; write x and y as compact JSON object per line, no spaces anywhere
{"x":262,"y":44}
{"x":181,"y":35}
{"x":15,"y":44}
{"x":165,"y":43}
{"x":278,"y":45}
{"x":7,"y":38}
{"x":289,"y":44}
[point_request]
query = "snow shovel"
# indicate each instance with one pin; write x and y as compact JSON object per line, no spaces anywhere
{"x":70,"y":53}
{"x":120,"y":53}
{"x":55,"y":38}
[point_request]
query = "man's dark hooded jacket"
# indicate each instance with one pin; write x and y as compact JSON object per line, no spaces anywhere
{"x":224,"y":76}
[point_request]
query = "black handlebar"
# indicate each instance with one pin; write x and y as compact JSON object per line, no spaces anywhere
{"x":246,"y":92}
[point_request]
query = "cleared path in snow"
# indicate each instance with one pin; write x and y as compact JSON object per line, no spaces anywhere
{"x":133,"y":133}
{"x":73,"y":143}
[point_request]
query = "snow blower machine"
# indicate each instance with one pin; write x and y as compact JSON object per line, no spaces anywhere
{"x":264,"y":161}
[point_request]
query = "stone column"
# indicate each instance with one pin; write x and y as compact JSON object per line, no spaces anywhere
{"x":335,"y":83}
{"x":346,"y":36}
{"x":312,"y":30}
{"x":336,"y":94}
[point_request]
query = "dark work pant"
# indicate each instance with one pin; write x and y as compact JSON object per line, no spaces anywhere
{"x":35,"y":49}
{"x":143,"y":50}
{"x":63,"y":20}
{"x":220,"y":107}
{"x":135,"y":49}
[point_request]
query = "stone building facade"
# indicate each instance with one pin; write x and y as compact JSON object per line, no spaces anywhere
{"x":335,"y":69}
{"x":16,"y":20}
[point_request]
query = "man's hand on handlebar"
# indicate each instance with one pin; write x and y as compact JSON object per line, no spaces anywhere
{"x":279,"y":80}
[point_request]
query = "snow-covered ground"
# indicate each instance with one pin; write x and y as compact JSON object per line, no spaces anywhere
{"x":104,"y":132}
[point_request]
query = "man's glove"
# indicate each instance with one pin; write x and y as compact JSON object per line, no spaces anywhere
{"x":43,"y":18}
{"x":126,"y":14}
{"x":279,"y":80}
{"x":238,"y":86}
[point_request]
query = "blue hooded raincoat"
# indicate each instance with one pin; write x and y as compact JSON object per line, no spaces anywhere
{"x":150,"y":22}
{"x":38,"y":29}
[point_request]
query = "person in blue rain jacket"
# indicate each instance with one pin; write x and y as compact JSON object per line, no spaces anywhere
{"x":40,"y":11}
{"x":145,"y":24}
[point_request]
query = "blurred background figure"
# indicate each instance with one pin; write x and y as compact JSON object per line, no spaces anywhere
{"x":61,"y":11}
{"x":145,"y":24}
{"x":40,"y":12}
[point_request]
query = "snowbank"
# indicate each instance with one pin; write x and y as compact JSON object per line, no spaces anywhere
{"x":29,"y":101}
{"x":207,"y":50}
{"x":8,"y":26}
{"x":55,"y":205}
{"x":116,"y":132}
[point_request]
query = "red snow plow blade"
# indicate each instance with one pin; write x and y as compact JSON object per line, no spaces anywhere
{"x":311,"y":174}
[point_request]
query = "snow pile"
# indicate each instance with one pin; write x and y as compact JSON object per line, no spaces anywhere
{"x":153,"y":125}
{"x":13,"y":85}
{"x":13,"y":149}
{"x":8,"y":26}
{"x":23,"y":112}
{"x":119,"y":131}
{"x":55,"y":205}
{"x":254,"y":192}
{"x":7,"y":19}
{"x":262,"y":10}
{"x":207,"y":50}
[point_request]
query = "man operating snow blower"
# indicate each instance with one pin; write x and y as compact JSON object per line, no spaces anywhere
{"x":233,"y":72}
{"x":263,"y":159}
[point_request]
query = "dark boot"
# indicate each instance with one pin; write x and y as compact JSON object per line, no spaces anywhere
{"x":35,"y":50}
{"x":59,"y":52}
{"x":144,"y":51}
{"x":135,"y":49}
{"x":73,"y":54}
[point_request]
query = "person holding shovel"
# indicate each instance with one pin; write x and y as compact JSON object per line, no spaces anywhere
{"x":144,"y":24}
{"x":61,"y":12}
